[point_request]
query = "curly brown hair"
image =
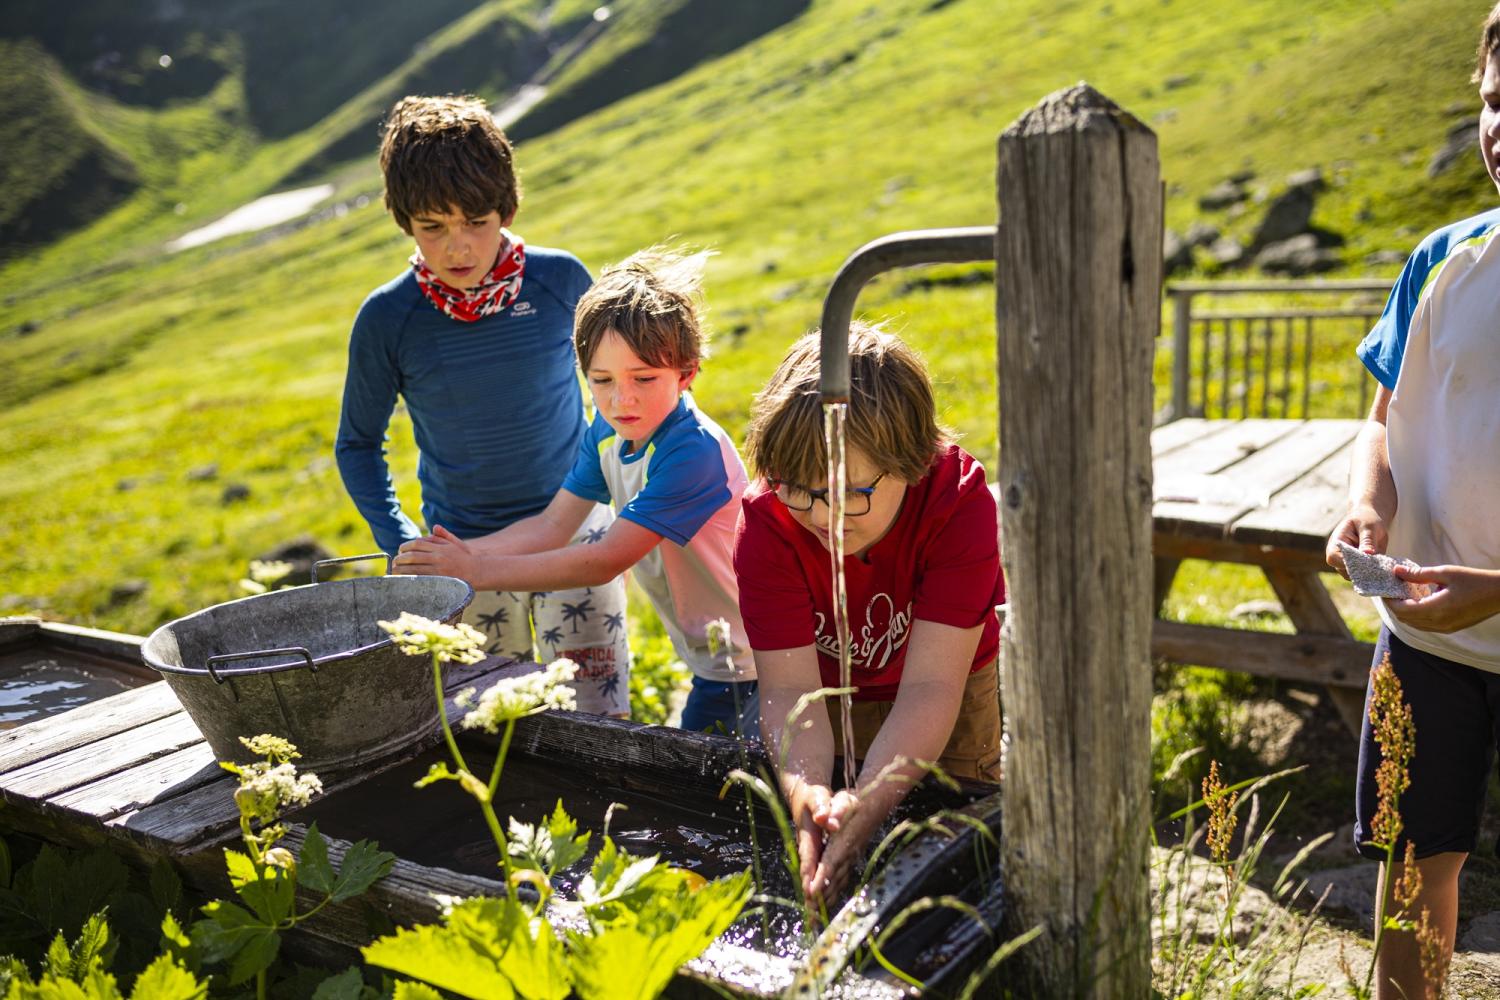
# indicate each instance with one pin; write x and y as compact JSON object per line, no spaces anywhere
{"x":442,"y":153}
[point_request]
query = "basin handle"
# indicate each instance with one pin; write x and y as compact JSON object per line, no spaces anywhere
{"x":350,"y":559}
{"x":257,"y":653}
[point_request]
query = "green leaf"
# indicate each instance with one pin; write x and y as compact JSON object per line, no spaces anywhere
{"x":93,"y":948}
{"x":567,"y":845}
{"x":228,"y":929}
{"x":6,"y":870}
{"x":635,"y":957}
{"x":536,"y":962}
{"x":269,"y":892}
{"x":48,"y":883}
{"x":364,"y":864}
{"x":347,"y":985}
{"x":18,"y":921}
{"x":59,"y":960}
{"x":176,"y":943}
{"x":166,"y":886}
{"x":257,"y":953}
{"x":407,"y":990}
{"x":313,"y":869}
{"x":443,"y":957}
{"x":240,"y":868}
{"x":164,"y":979}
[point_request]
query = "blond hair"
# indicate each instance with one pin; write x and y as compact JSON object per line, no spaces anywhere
{"x":653,"y":301}
{"x":892,"y":416}
{"x":439,"y":154}
{"x":1489,"y":41}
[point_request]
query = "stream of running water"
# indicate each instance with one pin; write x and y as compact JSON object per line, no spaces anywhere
{"x":833,"y":437}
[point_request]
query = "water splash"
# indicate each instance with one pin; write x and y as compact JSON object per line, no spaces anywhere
{"x":834,"y":415}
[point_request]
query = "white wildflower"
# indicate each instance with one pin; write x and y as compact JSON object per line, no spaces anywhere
{"x":273,"y":748}
{"x":266,"y":789}
{"x":517,"y":697}
{"x":415,"y":636}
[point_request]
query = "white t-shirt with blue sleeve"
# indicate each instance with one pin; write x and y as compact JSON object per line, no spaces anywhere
{"x":685,"y":484}
{"x":1437,"y":347}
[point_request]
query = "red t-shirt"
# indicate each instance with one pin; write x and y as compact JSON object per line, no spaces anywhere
{"x":940,"y":562}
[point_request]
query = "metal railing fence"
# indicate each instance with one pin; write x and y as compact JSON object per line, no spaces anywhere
{"x":1289,"y":354}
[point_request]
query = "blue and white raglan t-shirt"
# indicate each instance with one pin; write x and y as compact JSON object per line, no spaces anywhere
{"x":685,"y":484}
{"x":1437,"y":347}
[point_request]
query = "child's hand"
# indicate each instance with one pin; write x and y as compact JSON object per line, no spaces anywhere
{"x":849,"y":831}
{"x":808,"y":802}
{"x":441,"y":553}
{"x":1460,"y":596}
{"x":1362,"y":528}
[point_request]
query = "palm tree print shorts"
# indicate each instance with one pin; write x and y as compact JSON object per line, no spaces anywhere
{"x":586,"y":625}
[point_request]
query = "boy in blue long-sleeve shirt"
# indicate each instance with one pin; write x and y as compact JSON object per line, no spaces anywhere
{"x":476,"y":337}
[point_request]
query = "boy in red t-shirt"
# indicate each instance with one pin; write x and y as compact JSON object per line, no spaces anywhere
{"x":922,"y":568}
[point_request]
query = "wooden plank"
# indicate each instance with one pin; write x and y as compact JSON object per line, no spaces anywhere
{"x":1218,"y":549}
{"x":1214,"y":452}
{"x":1304,"y":514}
{"x":85,"y":724}
{"x":18,"y":629}
{"x":1180,"y":433}
{"x":1303,"y":657}
{"x":155,"y":780}
{"x":1252,"y":481}
{"x":203,"y":814}
{"x":64,"y":771}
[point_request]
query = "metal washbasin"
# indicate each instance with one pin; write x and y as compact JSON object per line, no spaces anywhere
{"x":321,"y":672}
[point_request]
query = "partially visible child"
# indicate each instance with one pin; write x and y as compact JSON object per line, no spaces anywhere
{"x":1424,"y":485}
{"x":672,"y":474}
{"x":922,"y":565}
{"x":477,"y":314}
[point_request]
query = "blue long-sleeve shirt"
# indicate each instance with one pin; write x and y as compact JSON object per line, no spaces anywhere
{"x":495,"y":404}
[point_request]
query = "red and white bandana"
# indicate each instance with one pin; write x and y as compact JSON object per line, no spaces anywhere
{"x":498,"y":289}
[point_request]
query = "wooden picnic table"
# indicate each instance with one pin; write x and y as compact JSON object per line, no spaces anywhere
{"x":1265,"y":493}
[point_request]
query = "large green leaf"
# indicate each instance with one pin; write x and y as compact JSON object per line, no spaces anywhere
{"x":229,"y":929}
{"x":269,"y":891}
{"x":538,"y":964}
{"x":443,"y":957}
{"x":364,"y":864}
{"x":313,"y":869}
{"x":164,"y":979}
{"x":347,"y":985}
{"x":634,"y":957}
{"x":257,"y":954}
{"x":166,"y":886}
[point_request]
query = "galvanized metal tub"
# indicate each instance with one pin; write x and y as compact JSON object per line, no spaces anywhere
{"x":323,"y":674}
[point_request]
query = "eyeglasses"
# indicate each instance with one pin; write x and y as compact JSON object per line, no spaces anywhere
{"x":856,"y":498}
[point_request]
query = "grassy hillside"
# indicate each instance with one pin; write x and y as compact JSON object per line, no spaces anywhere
{"x":850,"y":120}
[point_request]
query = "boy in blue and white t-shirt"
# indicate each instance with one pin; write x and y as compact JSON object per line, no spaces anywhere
{"x":672,"y":474}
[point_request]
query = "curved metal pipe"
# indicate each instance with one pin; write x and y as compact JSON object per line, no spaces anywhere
{"x":917,"y":246}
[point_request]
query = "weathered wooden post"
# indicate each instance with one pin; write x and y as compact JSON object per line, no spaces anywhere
{"x":1078,"y":275}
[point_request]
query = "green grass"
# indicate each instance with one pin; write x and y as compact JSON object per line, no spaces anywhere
{"x":848,"y":122}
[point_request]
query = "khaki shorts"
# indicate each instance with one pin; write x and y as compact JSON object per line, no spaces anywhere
{"x":973,"y":749}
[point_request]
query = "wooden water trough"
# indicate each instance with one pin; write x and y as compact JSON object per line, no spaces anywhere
{"x":132,"y":773}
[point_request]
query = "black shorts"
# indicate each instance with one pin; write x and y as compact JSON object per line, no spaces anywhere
{"x":1456,"y":711}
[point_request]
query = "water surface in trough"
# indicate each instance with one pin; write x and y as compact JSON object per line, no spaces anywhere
{"x":35,"y":684}
{"x":441,"y":826}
